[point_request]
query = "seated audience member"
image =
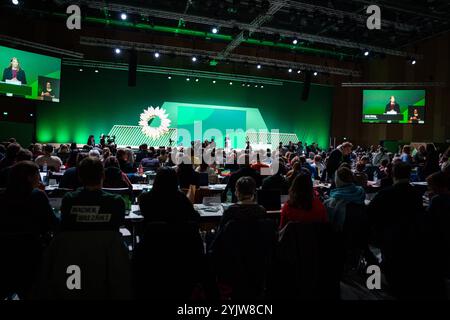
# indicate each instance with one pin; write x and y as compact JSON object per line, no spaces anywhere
{"x":360,"y":176}
{"x":379,"y":157}
{"x":186,"y":175}
{"x":406,"y":155}
{"x":150,"y":162}
{"x":142,"y":153}
{"x":106,"y":152}
{"x":346,"y":192}
{"x":27,"y":220}
{"x":212,"y":175}
{"x":162,"y":158}
{"x":420,"y":156}
{"x":393,"y":215}
{"x":383,"y":168}
{"x":124,"y":161}
{"x":53,"y":162}
{"x":114,"y":177}
{"x":439,"y":216}
{"x":94,"y":153}
{"x":37,"y":150}
{"x":303,"y":205}
{"x":22,"y":155}
{"x":246,"y":207}
{"x":63,"y":153}
{"x":73,"y":147}
{"x":89,"y":207}
{"x":431,"y":164}
{"x":10,"y":156}
{"x":165,"y":202}
{"x":244,"y":171}
{"x":305,"y":164}
{"x":291,"y":174}
{"x":276,"y":181}
{"x":70,"y":178}
{"x":317,"y":166}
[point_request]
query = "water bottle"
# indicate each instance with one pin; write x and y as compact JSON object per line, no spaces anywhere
{"x":45,"y":167}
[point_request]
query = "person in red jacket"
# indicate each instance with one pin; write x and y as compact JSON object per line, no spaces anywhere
{"x":303,"y":205}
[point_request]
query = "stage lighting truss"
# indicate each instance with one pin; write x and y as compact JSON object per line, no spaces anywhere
{"x":205,"y":54}
{"x":257,"y":24}
{"x":150,"y":114}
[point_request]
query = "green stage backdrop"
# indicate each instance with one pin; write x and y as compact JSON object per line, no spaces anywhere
{"x":92,"y":103}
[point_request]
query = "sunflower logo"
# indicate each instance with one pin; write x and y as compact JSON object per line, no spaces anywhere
{"x":148,"y":116}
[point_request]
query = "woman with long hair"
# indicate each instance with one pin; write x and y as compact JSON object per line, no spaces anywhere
{"x":14,"y":72}
{"x":303,"y":205}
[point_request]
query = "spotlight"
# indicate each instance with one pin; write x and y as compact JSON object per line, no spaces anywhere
{"x":243,"y":84}
{"x":256,"y":86}
{"x":215,"y":30}
{"x":262,"y":86}
{"x":96,"y":71}
{"x":295,"y":41}
{"x":118,"y":51}
{"x":366,"y":53}
{"x":197,"y":80}
{"x":81,"y":70}
{"x":156,"y":55}
{"x":299,"y":71}
{"x":290,"y":70}
{"x":5,"y":113}
{"x":413,"y":61}
{"x":31,"y":115}
{"x":231,"y":83}
{"x":258,"y":66}
{"x":248,"y":85}
{"x":194,"y":59}
{"x":169,"y":77}
{"x":123,"y":16}
{"x":188,"y":79}
{"x":315,"y":74}
{"x":15,"y":2}
{"x":214,"y":81}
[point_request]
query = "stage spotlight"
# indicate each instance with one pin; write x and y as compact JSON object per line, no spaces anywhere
{"x":96,"y":71}
{"x":118,"y":51}
{"x":295,"y":41}
{"x":299,"y":71}
{"x":31,"y":115}
{"x":231,"y":83}
{"x":5,"y":113}
{"x":315,"y":74}
{"x":169,"y":77}
{"x":214,"y":81}
{"x":156,"y":55}
{"x":290,"y":70}
{"x":194,"y":59}
{"x":197,"y":80}
{"x":243,"y":84}
{"x":258,"y":66}
{"x":248,"y":85}
{"x":15,"y":2}
{"x":262,"y":86}
{"x":123,"y":16}
{"x":215,"y":30}
{"x":256,"y":86}
{"x":188,"y":79}
{"x":81,"y":70}
{"x":413,"y":61}
{"x":366,"y":53}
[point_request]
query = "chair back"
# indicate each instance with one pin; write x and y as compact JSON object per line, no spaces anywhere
{"x":306,"y":264}
{"x":169,"y":261}
{"x":97,"y":259}
{"x":242,"y":256}
{"x":269,"y":199}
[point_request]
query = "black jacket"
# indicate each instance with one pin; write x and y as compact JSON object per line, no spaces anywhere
{"x":8,"y":75}
{"x":396,"y":108}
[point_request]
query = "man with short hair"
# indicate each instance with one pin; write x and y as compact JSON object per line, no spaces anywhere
{"x":91,"y":208}
{"x":53,"y":162}
{"x":337,"y":157}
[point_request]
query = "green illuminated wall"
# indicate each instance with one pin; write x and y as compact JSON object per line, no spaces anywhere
{"x":91,"y":103}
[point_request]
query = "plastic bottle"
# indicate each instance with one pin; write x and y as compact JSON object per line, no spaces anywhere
{"x":229,"y":196}
{"x":45,"y":167}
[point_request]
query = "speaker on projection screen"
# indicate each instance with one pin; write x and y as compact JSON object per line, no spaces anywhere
{"x":132,"y":68}
{"x":306,"y":86}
